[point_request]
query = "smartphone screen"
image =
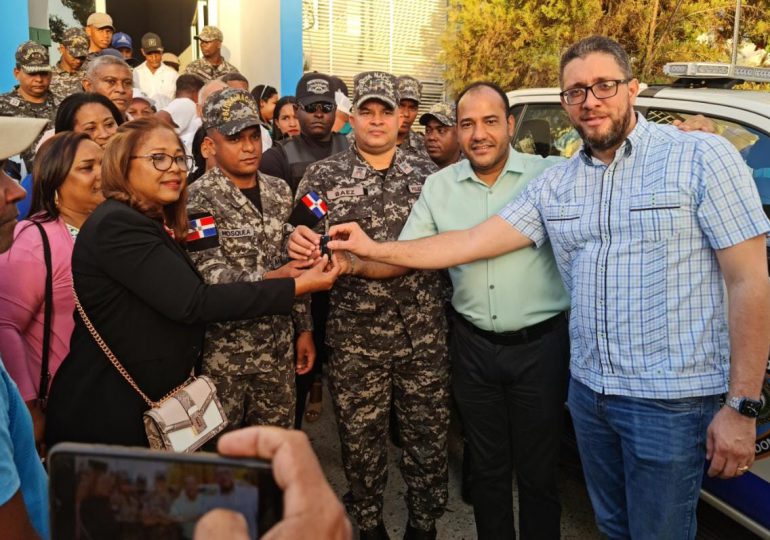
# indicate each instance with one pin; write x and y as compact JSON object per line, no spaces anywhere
{"x":131,"y":493}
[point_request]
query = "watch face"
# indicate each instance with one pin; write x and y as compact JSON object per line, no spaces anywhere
{"x":750,"y":408}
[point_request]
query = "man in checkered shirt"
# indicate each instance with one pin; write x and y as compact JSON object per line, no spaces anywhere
{"x":646,"y":222}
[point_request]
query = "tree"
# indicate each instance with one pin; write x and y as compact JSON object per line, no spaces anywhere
{"x":81,"y":9}
{"x":517,"y":43}
{"x":57,"y":27}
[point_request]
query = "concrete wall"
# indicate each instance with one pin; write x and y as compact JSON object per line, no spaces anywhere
{"x":251,"y":30}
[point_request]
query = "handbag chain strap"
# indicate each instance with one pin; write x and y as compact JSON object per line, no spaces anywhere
{"x":111,"y":357}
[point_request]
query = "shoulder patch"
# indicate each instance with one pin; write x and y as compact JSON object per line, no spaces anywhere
{"x":202,"y":232}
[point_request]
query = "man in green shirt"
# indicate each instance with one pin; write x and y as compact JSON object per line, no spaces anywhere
{"x":510,"y":345}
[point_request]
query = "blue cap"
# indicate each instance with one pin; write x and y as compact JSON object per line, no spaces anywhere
{"x":111,"y":52}
{"x":121,"y":40}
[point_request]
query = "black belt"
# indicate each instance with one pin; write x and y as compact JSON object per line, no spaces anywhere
{"x":515,"y":337}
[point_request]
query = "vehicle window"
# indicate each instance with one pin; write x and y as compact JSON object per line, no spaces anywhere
{"x":545,"y":129}
{"x":752,"y":144}
{"x":516,"y":112}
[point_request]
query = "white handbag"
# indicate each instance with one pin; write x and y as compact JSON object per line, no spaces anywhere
{"x":185,"y":418}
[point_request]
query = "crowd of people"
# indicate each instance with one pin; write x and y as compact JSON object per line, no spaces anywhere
{"x":190,"y":216}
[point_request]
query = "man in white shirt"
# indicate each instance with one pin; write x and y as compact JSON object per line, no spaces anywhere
{"x":153,"y":77}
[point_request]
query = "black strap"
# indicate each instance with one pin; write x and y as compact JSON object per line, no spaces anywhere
{"x":45,"y":374}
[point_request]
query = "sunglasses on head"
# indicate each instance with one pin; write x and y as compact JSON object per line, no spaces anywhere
{"x":313,"y":107}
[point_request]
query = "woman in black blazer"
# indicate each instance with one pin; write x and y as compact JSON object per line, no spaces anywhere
{"x":143,"y":295}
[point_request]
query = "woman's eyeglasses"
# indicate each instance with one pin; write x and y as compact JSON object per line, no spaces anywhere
{"x":162,"y":162}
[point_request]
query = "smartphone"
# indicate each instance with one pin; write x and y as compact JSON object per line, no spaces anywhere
{"x":118,"y":492}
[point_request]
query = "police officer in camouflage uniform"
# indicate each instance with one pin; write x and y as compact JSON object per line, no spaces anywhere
{"x":251,"y":362}
{"x":31,"y":97}
{"x":387,"y":338}
{"x":212,"y":65}
{"x":441,"y":140}
{"x":68,"y":74}
{"x":410,"y":90}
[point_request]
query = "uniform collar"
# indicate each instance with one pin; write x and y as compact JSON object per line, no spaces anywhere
{"x":234,"y":195}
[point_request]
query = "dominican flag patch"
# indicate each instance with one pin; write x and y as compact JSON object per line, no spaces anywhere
{"x":202,"y":232}
{"x":315,"y":204}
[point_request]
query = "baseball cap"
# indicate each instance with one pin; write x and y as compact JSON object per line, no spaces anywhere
{"x":315,"y":88}
{"x":121,"y":40}
{"x":100,"y":20}
{"x":75,"y":40}
{"x":151,"y":43}
{"x":110,"y":52}
{"x":32,"y":57}
{"x":20,"y":133}
{"x":409,"y":88}
{"x":210,"y":33}
{"x":230,"y":111}
{"x":442,"y":111}
{"x":378,"y":85}
{"x":138,"y":94}
{"x":170,"y":58}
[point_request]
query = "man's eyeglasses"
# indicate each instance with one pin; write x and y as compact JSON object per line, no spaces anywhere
{"x":600,"y":90}
{"x":313,"y":107}
{"x":162,"y":162}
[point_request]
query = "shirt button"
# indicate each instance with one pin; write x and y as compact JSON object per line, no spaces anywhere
{"x":491,"y":286}
{"x":494,"y":317}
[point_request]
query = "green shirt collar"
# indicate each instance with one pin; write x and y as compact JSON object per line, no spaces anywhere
{"x":515,"y":163}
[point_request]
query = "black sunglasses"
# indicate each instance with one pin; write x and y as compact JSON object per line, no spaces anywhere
{"x":313,"y":107}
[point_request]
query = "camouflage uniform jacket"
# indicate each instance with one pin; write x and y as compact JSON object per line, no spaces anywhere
{"x":369,"y":316}
{"x":13,"y":104}
{"x":248,"y":244}
{"x":65,"y":83}
{"x":415,"y":143}
{"x":207,"y":71}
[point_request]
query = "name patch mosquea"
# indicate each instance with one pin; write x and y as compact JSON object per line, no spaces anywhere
{"x":236,"y":233}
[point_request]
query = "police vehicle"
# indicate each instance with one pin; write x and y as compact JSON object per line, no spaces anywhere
{"x":741,"y":116}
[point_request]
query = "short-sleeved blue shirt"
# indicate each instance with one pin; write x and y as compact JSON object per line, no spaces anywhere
{"x":20,"y":466}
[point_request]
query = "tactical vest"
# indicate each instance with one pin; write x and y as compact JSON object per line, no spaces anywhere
{"x":300,"y":158}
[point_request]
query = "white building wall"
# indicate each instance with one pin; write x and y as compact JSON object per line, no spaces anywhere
{"x":252,"y":41}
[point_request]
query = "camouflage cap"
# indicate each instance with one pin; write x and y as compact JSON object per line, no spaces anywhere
{"x":210,"y":33}
{"x":409,"y":88}
{"x":75,"y":40}
{"x":378,"y":85}
{"x":32,"y":57}
{"x":230,"y":111}
{"x":443,"y":111}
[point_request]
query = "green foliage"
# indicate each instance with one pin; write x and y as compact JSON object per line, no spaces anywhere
{"x":81,"y":9}
{"x":57,"y":27}
{"x":517,"y":43}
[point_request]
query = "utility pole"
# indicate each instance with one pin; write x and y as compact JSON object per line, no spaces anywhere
{"x":736,"y":31}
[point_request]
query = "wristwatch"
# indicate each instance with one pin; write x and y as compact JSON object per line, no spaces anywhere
{"x":745,"y":406}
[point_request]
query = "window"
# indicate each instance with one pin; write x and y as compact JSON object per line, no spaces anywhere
{"x":544,"y":129}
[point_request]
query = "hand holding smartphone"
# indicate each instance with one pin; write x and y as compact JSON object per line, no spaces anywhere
{"x":99,"y":491}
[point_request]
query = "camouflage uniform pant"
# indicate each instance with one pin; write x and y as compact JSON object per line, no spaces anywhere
{"x":257,"y":398}
{"x":362,"y":388}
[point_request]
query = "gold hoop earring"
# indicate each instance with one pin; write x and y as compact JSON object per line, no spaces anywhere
{"x":56,"y":199}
